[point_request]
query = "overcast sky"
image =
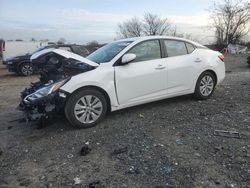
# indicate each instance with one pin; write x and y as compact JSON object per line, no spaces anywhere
{"x":85,"y":20}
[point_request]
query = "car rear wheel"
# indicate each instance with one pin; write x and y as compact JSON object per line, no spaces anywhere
{"x":86,"y":108}
{"x":205,"y":86}
{"x":26,"y":69}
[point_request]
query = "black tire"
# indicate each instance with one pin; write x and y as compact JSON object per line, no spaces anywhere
{"x":198,"y":93}
{"x":26,"y":69}
{"x":75,"y":98}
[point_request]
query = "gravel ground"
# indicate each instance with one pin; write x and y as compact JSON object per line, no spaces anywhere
{"x":170,"y":143}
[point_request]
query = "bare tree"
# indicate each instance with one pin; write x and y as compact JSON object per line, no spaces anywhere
{"x":93,"y":45}
{"x":154,"y":25}
{"x":130,"y":28}
{"x":231,"y":19}
{"x":61,"y":41}
{"x":151,"y":24}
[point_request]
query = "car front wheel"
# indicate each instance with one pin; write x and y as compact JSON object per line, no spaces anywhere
{"x":205,"y":86}
{"x":86,"y":108}
{"x":26,"y":69}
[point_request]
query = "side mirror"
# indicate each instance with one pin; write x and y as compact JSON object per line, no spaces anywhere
{"x":127,"y":58}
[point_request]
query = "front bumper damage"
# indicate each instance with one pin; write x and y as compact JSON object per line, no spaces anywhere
{"x":45,"y":109}
{"x":44,"y":100}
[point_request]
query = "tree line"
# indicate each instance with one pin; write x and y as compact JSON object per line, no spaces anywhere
{"x":230,"y":18}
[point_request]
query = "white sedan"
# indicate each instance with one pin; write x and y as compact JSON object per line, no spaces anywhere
{"x":136,"y":71}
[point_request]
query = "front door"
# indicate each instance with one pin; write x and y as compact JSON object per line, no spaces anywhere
{"x":145,"y":78}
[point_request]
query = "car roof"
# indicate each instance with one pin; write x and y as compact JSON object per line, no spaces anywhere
{"x":62,"y":45}
{"x":139,"y":39}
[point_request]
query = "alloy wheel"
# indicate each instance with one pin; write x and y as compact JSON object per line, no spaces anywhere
{"x":88,"y":109}
{"x":27,"y":70}
{"x":206,"y":85}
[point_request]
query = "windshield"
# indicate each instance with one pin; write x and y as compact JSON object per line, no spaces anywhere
{"x":108,"y":52}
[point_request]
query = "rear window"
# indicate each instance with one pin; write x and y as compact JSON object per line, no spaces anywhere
{"x":175,"y":48}
{"x":190,"y":48}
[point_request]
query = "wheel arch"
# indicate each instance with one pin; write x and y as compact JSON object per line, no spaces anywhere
{"x":21,"y":63}
{"x":101,"y":90}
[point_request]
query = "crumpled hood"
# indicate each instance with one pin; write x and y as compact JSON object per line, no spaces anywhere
{"x":64,"y":53}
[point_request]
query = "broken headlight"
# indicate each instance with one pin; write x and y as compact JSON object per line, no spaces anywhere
{"x":45,"y":91}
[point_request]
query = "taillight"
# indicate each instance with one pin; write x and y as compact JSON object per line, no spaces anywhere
{"x":222,"y":57}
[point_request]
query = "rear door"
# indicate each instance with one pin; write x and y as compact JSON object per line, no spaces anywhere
{"x":145,"y":78}
{"x":181,"y":65}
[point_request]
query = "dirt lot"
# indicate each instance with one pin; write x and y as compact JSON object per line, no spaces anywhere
{"x":170,"y":143}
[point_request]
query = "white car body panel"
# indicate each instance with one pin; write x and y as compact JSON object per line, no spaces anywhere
{"x":152,"y":72}
{"x":143,"y":82}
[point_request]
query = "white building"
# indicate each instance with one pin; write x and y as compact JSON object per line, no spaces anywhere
{"x":14,"y":48}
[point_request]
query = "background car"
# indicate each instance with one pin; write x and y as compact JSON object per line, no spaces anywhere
{"x":22,"y":64}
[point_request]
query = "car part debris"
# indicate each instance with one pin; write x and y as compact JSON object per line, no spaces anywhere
{"x":133,"y":170}
{"x":70,"y":156}
{"x":9,"y":127}
{"x":120,"y":151}
{"x":85,"y":150}
{"x":179,"y":142}
{"x":95,"y":184}
{"x":229,"y":134}
{"x":168,"y":170}
{"x":77,"y":181}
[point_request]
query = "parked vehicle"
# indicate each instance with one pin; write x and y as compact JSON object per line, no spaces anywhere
{"x":126,"y":73}
{"x":2,"y":48}
{"x":23,"y":65}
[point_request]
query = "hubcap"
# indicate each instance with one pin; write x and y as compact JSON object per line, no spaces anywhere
{"x":27,"y":70}
{"x":88,"y":109}
{"x":206,"y":85}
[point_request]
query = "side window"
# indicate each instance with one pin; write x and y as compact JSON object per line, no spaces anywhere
{"x":190,"y":48}
{"x":175,"y":48}
{"x":146,"y":51}
{"x":65,"y":48}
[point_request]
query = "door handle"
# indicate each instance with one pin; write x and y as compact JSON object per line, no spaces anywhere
{"x":160,"y":67}
{"x":198,"y":60}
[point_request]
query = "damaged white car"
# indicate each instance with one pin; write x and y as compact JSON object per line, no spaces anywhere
{"x":122,"y":74}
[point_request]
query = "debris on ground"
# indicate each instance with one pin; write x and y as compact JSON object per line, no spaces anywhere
{"x":77,"y":181}
{"x":1,"y":152}
{"x":133,"y":170}
{"x":218,"y":148}
{"x":179,"y":142}
{"x":142,"y":116}
{"x":85,"y":150}
{"x":229,"y":134}
{"x":168,"y":170}
{"x":24,"y":182}
{"x":120,"y":150}
{"x":95,"y":184}
{"x":197,"y":155}
{"x":70,"y":156}
{"x":9,"y":127}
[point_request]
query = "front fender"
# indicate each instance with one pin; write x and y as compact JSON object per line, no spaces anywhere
{"x":100,"y":78}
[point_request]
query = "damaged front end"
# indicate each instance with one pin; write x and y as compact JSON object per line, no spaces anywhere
{"x":45,"y":103}
{"x":43,"y":100}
